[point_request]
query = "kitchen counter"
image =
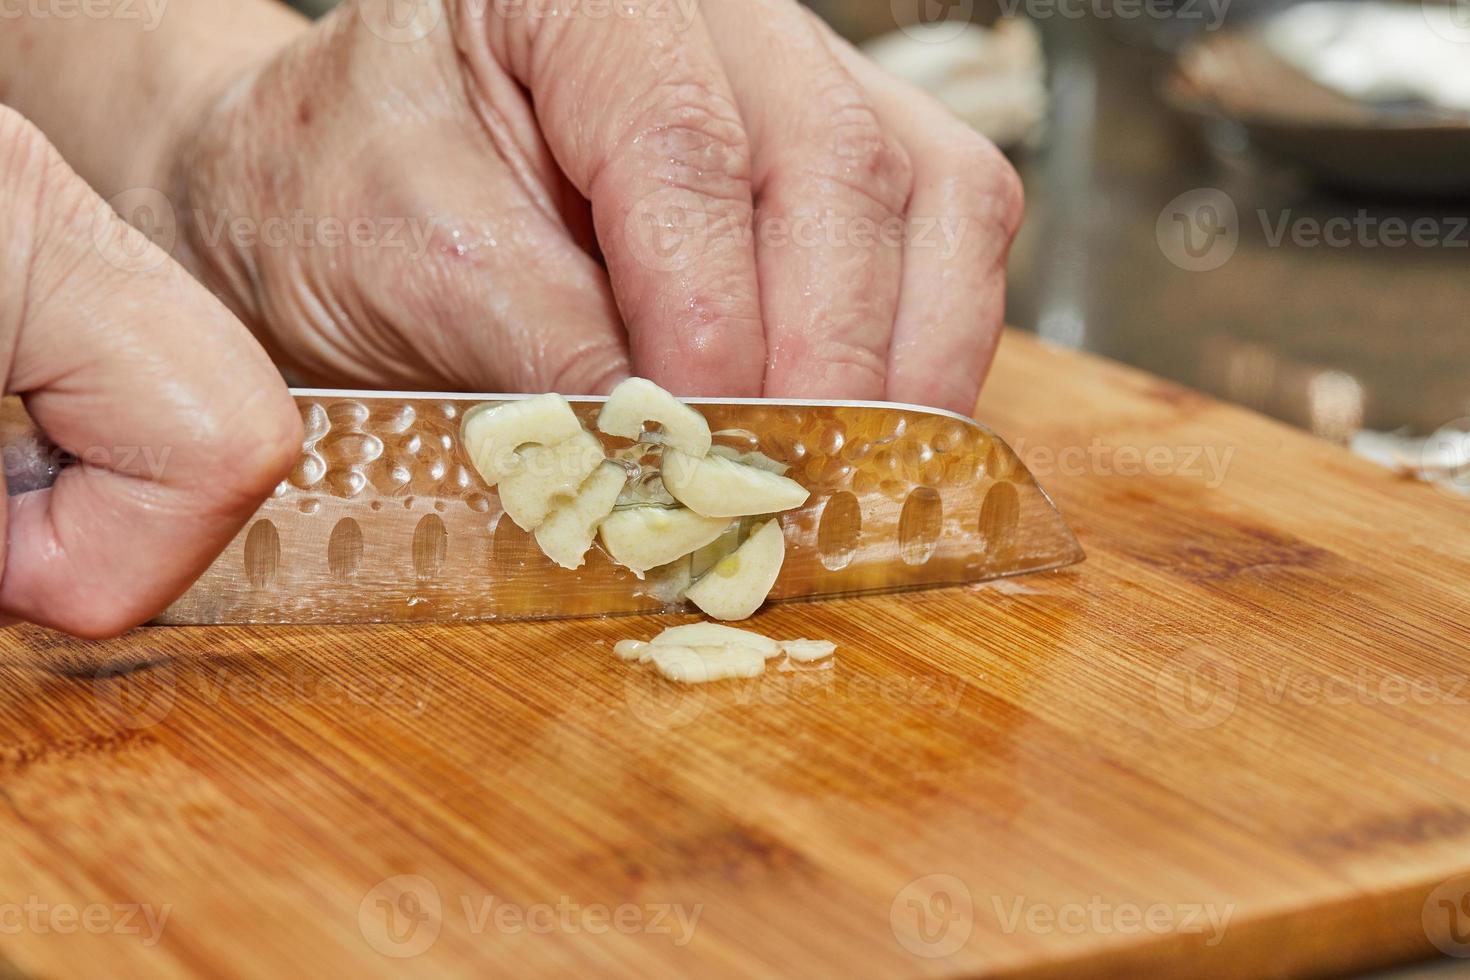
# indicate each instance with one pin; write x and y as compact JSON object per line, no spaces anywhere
{"x":1228,"y":744}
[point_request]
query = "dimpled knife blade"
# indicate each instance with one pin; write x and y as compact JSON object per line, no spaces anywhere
{"x":384,"y":519}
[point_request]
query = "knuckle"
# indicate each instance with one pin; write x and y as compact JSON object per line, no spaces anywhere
{"x":692,"y":136}
{"x":868,"y":360}
{"x":986,"y":183}
{"x":872,"y":163}
{"x":592,"y":368}
{"x":1009,"y":195}
{"x":851,"y":150}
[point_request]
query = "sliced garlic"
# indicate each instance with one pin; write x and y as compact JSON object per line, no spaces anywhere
{"x":807,"y":651}
{"x":738,"y":585}
{"x":716,"y":551}
{"x":492,"y":435}
{"x":714,"y":634}
{"x":697,"y":653}
{"x":701,"y":665}
{"x":647,"y":537}
{"x":754,"y":458}
{"x":638,"y":400}
{"x":718,"y":487}
{"x":531,"y":487}
{"x":567,"y":532}
{"x":633,"y":650}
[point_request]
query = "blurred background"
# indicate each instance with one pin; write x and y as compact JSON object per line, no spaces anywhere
{"x":1266,"y":201}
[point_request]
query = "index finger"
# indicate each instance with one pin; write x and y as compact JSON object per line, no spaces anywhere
{"x":639,"y":115}
{"x":180,"y":424}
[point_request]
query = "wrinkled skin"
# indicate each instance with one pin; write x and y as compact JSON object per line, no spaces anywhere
{"x":179,"y":421}
{"x":682,"y":196}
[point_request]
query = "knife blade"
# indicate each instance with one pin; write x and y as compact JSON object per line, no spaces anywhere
{"x":385,"y":519}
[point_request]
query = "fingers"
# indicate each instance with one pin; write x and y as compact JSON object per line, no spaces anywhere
{"x":180,"y":423}
{"x":831,"y":189}
{"x":639,"y":115}
{"x":966,"y":208}
{"x":451,"y":266}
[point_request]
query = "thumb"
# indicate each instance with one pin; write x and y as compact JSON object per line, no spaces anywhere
{"x":178,"y":422}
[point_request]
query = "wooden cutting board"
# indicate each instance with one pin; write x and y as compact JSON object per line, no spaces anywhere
{"x":1229,"y":744}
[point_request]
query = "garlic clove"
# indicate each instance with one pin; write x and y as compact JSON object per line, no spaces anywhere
{"x":566,"y":534}
{"x":647,"y":537}
{"x":633,"y":650}
{"x":808,"y":651}
{"x":637,"y":401}
{"x":736,"y":587}
{"x":543,"y":475}
{"x":702,"y":665}
{"x":718,"y":487}
{"x":714,"y":634}
{"x":492,"y":435}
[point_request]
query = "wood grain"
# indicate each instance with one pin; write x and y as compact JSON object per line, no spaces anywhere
{"x":1248,"y":704}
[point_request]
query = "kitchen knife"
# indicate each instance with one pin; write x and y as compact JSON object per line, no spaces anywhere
{"x":385,"y":519}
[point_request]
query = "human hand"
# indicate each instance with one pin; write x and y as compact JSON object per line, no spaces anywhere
{"x":728,"y":200}
{"x":178,"y":422}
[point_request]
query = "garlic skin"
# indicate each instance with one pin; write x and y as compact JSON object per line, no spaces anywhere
{"x":649,"y":537}
{"x":637,"y":401}
{"x":719,"y":487}
{"x":493,"y":435}
{"x":543,"y":475}
{"x":739,"y":583}
{"x":566,"y":535}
